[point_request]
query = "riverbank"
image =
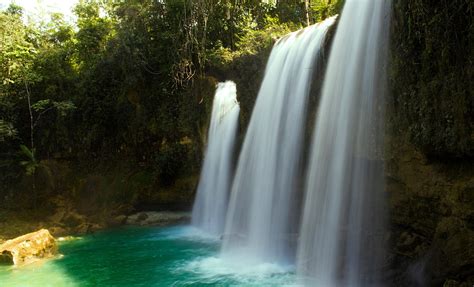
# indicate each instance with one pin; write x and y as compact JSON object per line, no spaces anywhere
{"x":13,"y":225}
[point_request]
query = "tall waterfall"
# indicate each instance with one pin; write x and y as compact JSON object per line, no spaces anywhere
{"x":342,"y":231}
{"x":212,"y":196}
{"x":261,"y":216}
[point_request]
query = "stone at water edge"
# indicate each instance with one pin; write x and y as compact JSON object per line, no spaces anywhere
{"x":117,"y":220}
{"x":28,"y":248}
{"x":160,"y":218}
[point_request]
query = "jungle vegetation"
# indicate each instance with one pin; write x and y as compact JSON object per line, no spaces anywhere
{"x":124,"y":85}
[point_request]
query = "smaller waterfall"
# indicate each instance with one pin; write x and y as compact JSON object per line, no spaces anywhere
{"x":211,"y":201}
{"x":262,"y":219}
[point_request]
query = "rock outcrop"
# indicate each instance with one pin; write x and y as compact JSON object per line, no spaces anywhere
{"x":432,"y":211}
{"x":28,"y":248}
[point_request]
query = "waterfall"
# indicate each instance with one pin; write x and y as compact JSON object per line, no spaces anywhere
{"x":211,"y":201}
{"x":262,"y":219}
{"x":342,"y":231}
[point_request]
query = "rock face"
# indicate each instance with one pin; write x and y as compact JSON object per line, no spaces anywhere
{"x":157,"y":218}
{"x":28,"y":248}
{"x":432,"y":211}
{"x":430,"y":162}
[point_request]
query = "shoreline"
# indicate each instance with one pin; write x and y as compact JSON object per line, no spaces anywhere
{"x":14,"y":226}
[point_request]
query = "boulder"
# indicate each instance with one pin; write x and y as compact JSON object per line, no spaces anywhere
{"x":28,"y":248}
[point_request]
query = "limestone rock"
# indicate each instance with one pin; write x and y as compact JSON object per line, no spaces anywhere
{"x":28,"y":248}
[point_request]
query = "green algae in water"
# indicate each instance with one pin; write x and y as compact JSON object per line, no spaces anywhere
{"x":170,"y":256}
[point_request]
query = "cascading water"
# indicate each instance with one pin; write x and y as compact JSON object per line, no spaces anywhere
{"x":261,"y":219}
{"x":342,"y":231}
{"x":212,"y":196}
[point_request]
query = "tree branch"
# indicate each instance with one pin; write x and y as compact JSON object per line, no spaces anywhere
{"x":32,"y":126}
{"x":40,"y":114}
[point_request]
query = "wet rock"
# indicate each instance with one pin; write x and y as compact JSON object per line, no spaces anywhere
{"x":58,"y":231}
{"x":120,"y":219}
{"x":453,"y":251}
{"x":87,"y":227}
{"x":142,"y":216}
{"x":454,"y":283}
{"x":150,"y":218}
{"x":28,"y":248}
{"x":117,"y":220}
{"x":431,"y":216}
{"x":74,"y":219}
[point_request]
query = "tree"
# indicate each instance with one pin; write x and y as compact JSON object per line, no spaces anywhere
{"x":306,"y":8}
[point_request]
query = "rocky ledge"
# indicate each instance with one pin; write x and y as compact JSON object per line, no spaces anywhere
{"x":153,"y":218}
{"x":28,"y":248}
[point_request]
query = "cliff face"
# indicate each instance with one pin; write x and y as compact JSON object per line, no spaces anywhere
{"x":432,"y":216}
{"x":432,"y":75}
{"x":430,"y":143}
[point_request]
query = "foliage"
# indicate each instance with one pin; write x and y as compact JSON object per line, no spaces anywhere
{"x":321,"y":9}
{"x":7,"y":131}
{"x":15,"y":50}
{"x":250,"y":42}
{"x":126,"y":85}
{"x":31,"y":164}
{"x":43,"y":106}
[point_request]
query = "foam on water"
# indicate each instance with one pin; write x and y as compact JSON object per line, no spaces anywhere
{"x":187,"y":232}
{"x":213,"y":269}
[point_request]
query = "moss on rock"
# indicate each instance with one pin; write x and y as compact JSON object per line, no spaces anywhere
{"x":431,"y":75}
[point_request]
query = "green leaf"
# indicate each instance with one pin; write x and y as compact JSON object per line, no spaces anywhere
{"x":64,"y":107}
{"x":40,"y":105}
{"x":29,"y":153}
{"x":7,"y":131}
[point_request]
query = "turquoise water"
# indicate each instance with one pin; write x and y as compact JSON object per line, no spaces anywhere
{"x":168,"y":256}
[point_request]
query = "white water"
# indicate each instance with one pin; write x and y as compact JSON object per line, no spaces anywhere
{"x":261,"y":222}
{"x":342,"y":231}
{"x":212,"y":196}
{"x":213,"y":269}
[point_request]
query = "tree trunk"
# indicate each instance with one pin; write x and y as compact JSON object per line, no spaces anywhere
{"x":32,"y":123}
{"x":32,"y":142}
{"x":306,"y":8}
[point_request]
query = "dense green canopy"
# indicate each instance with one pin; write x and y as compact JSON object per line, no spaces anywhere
{"x":123,"y":84}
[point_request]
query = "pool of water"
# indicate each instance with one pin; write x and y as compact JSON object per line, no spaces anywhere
{"x":144,"y":256}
